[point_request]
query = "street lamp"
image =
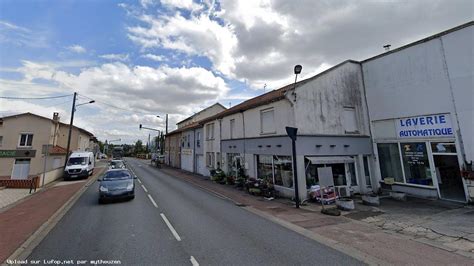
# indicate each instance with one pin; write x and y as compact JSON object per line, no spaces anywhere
{"x":292,"y":132}
{"x":73,"y":109}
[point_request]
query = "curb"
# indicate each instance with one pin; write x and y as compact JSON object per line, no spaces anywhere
{"x":22,"y":253}
{"x":354,"y":253}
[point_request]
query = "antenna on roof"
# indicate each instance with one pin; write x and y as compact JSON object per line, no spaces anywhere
{"x":387,"y":47}
{"x":230,"y":104}
{"x":264,"y":87}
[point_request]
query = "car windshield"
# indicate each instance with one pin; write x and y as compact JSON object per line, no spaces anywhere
{"x":117,"y":175}
{"x":77,"y":161}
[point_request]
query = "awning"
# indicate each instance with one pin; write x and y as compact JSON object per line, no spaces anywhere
{"x":332,"y":159}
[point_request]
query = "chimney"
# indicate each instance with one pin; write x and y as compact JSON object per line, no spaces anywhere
{"x":387,"y":47}
{"x":56,"y":117}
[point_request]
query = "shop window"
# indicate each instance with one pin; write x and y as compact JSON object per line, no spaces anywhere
{"x":232,"y":128}
{"x":267,"y":121}
{"x":233,"y":163}
{"x":26,"y":140}
{"x":283,"y":171}
{"x":416,"y":164}
{"x":276,"y":169}
{"x":389,"y":160}
{"x":443,"y":147}
{"x":350,"y":120}
{"x":338,"y":173}
{"x":265,"y":167}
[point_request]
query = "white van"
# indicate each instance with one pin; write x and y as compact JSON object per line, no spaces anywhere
{"x":79,"y":165}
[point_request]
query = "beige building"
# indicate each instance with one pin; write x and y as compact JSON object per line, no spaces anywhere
{"x":204,"y":113}
{"x":22,"y":138}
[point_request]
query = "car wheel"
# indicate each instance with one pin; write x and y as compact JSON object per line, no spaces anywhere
{"x":101,"y":201}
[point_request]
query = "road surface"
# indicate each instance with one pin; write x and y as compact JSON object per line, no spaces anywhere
{"x":172,"y":222}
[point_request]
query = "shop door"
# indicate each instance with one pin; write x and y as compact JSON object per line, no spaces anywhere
{"x":449,"y":177}
{"x":21,"y":169}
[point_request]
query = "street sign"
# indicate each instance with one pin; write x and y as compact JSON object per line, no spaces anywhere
{"x":46,"y":148}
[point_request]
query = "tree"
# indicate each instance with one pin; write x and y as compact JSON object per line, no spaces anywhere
{"x":138,"y":146}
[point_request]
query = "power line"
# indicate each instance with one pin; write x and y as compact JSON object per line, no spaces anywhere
{"x":34,"y":98}
{"x":24,"y":110}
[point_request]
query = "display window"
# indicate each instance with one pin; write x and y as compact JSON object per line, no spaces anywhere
{"x":276,"y":169}
{"x":416,"y":164}
{"x":389,"y":160}
{"x":343,"y":174}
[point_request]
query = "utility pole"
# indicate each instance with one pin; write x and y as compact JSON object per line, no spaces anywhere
{"x":166,"y":128}
{"x":73,"y":109}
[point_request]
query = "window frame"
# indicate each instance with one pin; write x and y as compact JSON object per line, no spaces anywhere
{"x":267,"y":110}
{"x":26,"y":140}
{"x":210,"y":131}
{"x":356,"y":120}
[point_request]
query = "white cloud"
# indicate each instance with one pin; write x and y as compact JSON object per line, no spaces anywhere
{"x":183,"y":4}
{"x":11,"y":26}
{"x":140,"y":92}
{"x":260,"y":41}
{"x":76,"y":49}
{"x":21,"y":36}
{"x":198,"y":35}
{"x":158,"y":58}
{"x":115,"y":57}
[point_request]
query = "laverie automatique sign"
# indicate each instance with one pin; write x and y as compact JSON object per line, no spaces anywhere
{"x":426,"y":126}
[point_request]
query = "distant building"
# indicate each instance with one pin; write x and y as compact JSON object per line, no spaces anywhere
{"x":22,"y":138}
{"x":184,"y":146}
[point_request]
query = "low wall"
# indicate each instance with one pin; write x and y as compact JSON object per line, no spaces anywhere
{"x":51,"y":176}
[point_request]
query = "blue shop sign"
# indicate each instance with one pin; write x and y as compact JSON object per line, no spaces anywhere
{"x":426,"y":126}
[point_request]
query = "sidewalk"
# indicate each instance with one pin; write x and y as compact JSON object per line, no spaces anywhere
{"x":12,"y":195}
{"x":365,"y":240}
{"x":22,"y":220}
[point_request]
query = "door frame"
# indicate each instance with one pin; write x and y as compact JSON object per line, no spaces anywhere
{"x":431,"y":155}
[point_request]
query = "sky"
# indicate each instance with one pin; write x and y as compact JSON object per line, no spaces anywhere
{"x":143,"y":59}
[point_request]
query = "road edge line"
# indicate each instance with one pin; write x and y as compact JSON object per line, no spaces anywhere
{"x":343,"y":248}
{"x":26,"y":248}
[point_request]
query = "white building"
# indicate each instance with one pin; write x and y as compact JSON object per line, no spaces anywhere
{"x":330,"y":112}
{"x":420,"y":99}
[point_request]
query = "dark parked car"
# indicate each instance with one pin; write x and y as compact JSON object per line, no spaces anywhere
{"x":117,"y":164}
{"x":116,"y":184}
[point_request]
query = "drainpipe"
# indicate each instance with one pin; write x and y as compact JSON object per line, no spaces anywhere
{"x":194,"y":150}
{"x":243,"y":126}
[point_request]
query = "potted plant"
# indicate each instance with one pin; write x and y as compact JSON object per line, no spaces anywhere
{"x":345,"y":204}
{"x":371,"y":199}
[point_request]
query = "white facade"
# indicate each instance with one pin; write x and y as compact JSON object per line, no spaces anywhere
{"x":327,"y":137}
{"x":426,"y":80}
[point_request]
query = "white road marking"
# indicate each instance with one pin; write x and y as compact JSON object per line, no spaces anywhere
{"x":152,"y":201}
{"x":144,"y":188}
{"x":175,"y":234}
{"x":139,"y":181}
{"x":194,"y":261}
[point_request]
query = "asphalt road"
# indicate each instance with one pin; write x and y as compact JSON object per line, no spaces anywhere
{"x":171,"y":222}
